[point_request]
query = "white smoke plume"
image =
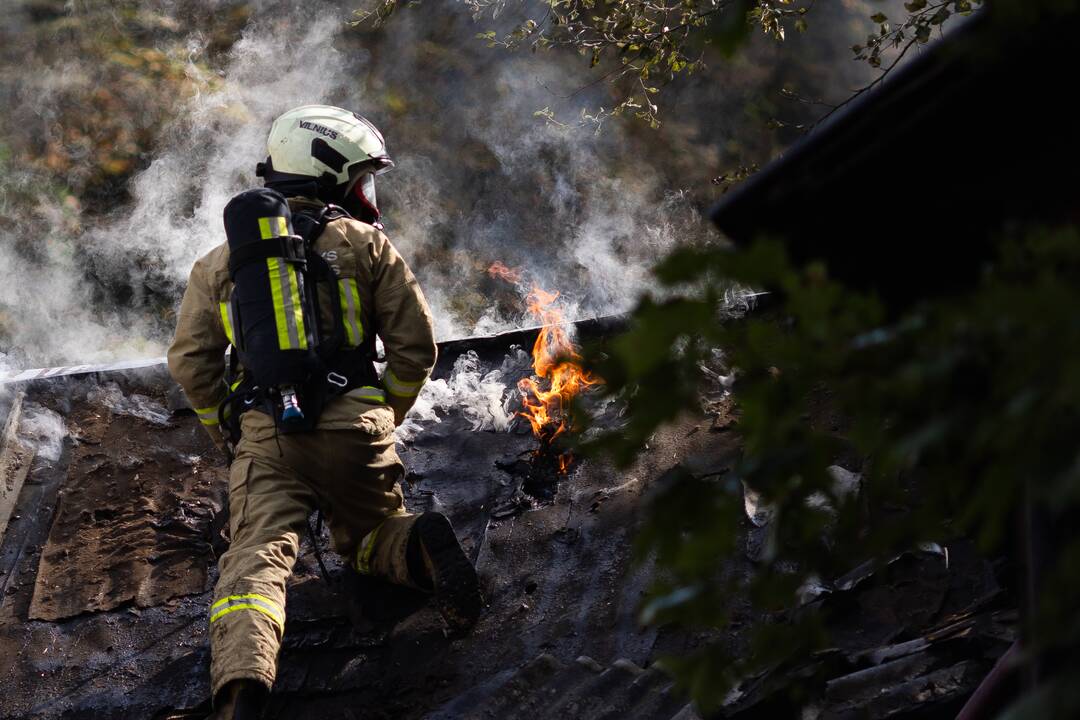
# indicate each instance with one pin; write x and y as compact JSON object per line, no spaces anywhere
{"x":481,"y":398}
{"x":136,"y":405}
{"x":208,"y":154}
{"x":589,"y":235}
{"x":44,"y":429}
{"x":478,"y":179}
{"x":213,"y":151}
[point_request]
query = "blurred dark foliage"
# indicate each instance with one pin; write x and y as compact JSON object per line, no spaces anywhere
{"x":958,"y":409}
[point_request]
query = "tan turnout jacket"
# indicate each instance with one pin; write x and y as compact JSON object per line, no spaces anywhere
{"x":391,"y":305}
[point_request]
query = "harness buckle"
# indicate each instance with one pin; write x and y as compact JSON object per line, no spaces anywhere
{"x":335,"y":379}
{"x":294,"y":247}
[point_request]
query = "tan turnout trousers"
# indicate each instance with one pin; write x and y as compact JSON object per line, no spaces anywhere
{"x":354,"y":476}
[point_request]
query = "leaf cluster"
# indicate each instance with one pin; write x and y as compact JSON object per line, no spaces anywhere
{"x":923,"y":19}
{"x":642,"y":46}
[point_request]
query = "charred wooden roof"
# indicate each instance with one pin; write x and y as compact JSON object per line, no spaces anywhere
{"x":108,"y":564}
{"x":109,"y":560}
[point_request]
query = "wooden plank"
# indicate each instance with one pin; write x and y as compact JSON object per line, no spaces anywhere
{"x":15,"y":460}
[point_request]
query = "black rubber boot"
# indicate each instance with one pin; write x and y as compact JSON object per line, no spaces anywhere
{"x":437,"y":562}
{"x":241,"y":700}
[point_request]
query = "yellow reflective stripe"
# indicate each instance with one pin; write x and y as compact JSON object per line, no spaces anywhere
{"x":250,"y":601}
{"x":207,"y":416}
{"x":366,"y":550}
{"x":350,"y":311}
{"x":287,"y":311}
{"x":227,"y":321}
{"x":272,"y":227}
{"x":279,"y":301}
{"x":247,"y":606}
{"x":284,"y":290}
{"x":233,"y":608}
{"x":248,"y":596}
{"x":297,"y":310}
{"x":372,"y":394}
{"x":396,"y":386}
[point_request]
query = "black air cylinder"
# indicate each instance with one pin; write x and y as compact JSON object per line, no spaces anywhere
{"x":266,"y":264}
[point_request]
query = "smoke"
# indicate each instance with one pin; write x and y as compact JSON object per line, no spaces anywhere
{"x":578,"y":212}
{"x":212,"y":152}
{"x":139,"y":406}
{"x":55,"y":317}
{"x":94,"y":290}
{"x":481,"y":398}
{"x":44,"y":429}
{"x":478,"y":178}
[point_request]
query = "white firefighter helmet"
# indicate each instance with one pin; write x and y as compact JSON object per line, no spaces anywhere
{"x":337,"y":149}
{"x":315,"y":140}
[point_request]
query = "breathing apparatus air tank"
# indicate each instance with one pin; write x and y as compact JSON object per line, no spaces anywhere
{"x":267,"y":264}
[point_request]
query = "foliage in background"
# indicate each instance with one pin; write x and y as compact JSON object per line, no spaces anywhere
{"x":100,"y":122}
{"x":89,"y":103}
{"x":955,"y":406}
{"x":87,"y":91}
{"x":958,"y":409}
{"x":641,"y":46}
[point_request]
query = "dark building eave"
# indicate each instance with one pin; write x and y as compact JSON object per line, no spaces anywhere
{"x":902,"y":191}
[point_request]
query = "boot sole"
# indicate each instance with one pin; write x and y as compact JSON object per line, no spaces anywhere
{"x":456,"y":586}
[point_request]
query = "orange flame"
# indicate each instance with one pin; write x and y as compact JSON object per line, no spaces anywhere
{"x":556,"y":361}
{"x":500,"y":271}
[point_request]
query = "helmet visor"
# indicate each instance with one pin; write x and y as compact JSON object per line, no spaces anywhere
{"x":359,"y":199}
{"x":363,"y":187}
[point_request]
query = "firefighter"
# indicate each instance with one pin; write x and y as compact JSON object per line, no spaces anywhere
{"x":346,"y":465}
